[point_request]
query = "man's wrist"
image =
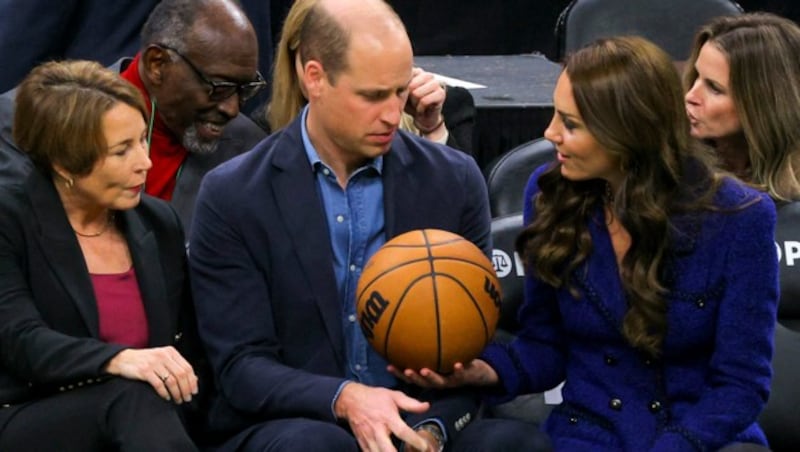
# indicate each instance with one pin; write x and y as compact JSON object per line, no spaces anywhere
{"x":435,"y":432}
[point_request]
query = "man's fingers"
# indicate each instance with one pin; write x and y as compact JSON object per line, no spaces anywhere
{"x":409,"y":436}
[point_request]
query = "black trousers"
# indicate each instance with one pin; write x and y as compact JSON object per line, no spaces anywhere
{"x":116,"y":415}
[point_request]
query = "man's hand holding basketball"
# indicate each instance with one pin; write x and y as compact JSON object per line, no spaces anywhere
{"x":374,"y":415}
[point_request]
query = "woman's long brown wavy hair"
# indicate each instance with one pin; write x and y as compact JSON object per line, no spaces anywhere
{"x":629,"y":95}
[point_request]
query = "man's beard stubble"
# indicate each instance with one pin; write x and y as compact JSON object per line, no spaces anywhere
{"x":192,"y":142}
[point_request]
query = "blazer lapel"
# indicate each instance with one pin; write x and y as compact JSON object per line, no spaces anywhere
{"x":301,"y":209}
{"x":150,"y":277}
{"x":61,"y":249}
{"x":601,"y":282}
{"x":400,"y":195}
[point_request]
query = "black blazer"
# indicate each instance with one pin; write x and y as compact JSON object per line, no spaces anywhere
{"x":48,"y":313}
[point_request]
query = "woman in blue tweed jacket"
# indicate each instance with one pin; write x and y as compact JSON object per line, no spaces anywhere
{"x":652,"y":279}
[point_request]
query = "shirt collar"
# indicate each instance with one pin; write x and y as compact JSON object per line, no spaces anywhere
{"x":313,"y":156}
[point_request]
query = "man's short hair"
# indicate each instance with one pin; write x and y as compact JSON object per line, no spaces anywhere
{"x":323,"y":38}
{"x":170,"y":23}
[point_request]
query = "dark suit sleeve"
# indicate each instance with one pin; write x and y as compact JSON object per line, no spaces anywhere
{"x":236,"y":323}
{"x":29,"y":349}
{"x":476,"y":219}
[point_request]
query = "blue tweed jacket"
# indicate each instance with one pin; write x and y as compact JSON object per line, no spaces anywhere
{"x":713,"y":378}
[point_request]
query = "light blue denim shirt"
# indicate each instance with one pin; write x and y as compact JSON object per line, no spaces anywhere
{"x":356,"y":227}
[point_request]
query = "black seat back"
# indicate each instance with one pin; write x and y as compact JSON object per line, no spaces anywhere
{"x":670,"y":24}
{"x":780,"y":418}
{"x":508,"y":174}
{"x":787,"y":241}
{"x":509,"y":270}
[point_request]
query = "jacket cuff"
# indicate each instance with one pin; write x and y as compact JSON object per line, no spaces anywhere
{"x":499,"y":358}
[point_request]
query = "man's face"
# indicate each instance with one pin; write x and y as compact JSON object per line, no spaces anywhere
{"x":359,"y":111}
{"x":184,"y":97}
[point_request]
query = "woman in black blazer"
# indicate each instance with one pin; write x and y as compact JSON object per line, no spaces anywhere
{"x":93,"y":285}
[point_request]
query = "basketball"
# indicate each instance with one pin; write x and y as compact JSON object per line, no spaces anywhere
{"x":428,"y":299}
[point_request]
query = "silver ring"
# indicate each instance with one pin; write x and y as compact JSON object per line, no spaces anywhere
{"x":164,"y":377}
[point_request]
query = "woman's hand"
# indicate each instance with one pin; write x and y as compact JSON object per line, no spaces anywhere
{"x":425,"y":100}
{"x":476,"y":373}
{"x":164,"y":368}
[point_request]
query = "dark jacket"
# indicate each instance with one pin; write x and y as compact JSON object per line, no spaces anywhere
{"x":48,"y":312}
{"x":262,"y":270}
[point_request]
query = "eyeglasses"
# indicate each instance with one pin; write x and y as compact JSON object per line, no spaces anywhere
{"x":220,"y":91}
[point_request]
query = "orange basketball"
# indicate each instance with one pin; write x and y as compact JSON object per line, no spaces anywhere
{"x":428,"y":299}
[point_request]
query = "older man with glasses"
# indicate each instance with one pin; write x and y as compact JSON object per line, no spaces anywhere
{"x":196,"y":67}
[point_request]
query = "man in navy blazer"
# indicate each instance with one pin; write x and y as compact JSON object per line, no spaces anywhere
{"x":280,"y":237}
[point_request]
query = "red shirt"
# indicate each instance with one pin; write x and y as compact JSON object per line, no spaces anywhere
{"x":166,"y":151}
{"x":120,"y":309}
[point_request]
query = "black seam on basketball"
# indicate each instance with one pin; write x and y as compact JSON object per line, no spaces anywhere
{"x":431,"y":260}
{"x":415,"y":261}
{"x":389,"y":270}
{"x":428,"y":244}
{"x":471,"y":299}
{"x":396,"y":310}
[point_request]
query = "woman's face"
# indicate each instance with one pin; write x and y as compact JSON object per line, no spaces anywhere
{"x":709,"y":102}
{"x":579,"y":153}
{"x":117,"y":179}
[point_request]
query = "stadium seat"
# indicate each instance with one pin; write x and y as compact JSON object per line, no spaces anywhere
{"x":787,"y":241}
{"x":670,"y":24}
{"x":780,"y":419}
{"x":507,"y":175}
{"x":509,"y":270}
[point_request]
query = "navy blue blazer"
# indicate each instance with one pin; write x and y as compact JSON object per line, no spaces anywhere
{"x":262,"y":272}
{"x":714,"y":376}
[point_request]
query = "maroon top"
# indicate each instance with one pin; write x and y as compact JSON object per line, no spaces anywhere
{"x":120,"y":309}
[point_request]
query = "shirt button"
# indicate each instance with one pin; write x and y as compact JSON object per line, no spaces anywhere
{"x":358,"y":366}
{"x":339,"y":218}
{"x":615,"y":404}
{"x":573,"y":420}
{"x":352,"y":267}
{"x":326,"y":171}
{"x":610,"y":360}
{"x":351,"y":318}
{"x":655,"y":406}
